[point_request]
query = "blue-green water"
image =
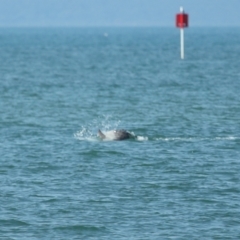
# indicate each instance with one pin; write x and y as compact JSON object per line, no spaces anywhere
{"x":179,"y":178}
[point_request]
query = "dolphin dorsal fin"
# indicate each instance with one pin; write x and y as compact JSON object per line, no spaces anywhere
{"x":100,"y":134}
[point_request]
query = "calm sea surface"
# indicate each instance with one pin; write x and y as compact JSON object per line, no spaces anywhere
{"x":178,"y":178}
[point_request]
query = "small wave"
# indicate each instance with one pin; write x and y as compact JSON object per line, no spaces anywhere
{"x":167,"y":139}
{"x":193,"y":139}
{"x":141,"y":138}
{"x":13,"y":222}
{"x":81,"y":228}
{"x":227,"y":138}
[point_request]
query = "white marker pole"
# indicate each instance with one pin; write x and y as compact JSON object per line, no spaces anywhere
{"x":181,"y":22}
{"x":182,"y":42}
{"x":182,"y":37}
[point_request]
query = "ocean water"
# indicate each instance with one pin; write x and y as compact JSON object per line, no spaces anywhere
{"x":178,"y":178}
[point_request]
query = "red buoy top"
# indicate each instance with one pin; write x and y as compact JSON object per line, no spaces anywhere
{"x":181,"y":19}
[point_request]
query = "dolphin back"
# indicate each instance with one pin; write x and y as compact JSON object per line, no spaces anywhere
{"x":115,"y":135}
{"x":122,"y":134}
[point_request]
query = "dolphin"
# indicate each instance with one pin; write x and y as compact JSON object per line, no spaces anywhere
{"x":115,"y":135}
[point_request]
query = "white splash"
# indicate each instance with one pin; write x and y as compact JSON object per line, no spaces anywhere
{"x":89,"y":131}
{"x":141,"y":138}
{"x":85,"y":134}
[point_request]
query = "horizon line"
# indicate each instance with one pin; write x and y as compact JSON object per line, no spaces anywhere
{"x":112,"y":26}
